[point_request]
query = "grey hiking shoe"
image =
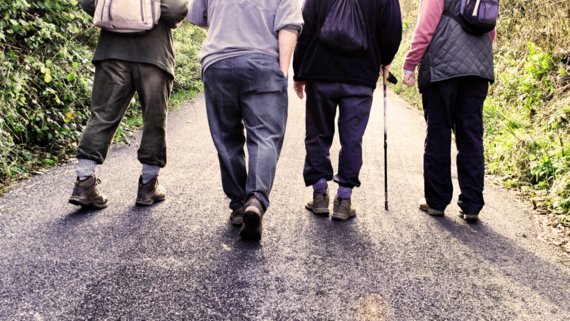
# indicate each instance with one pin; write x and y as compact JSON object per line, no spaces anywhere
{"x":343,"y":209}
{"x":150,"y":192}
{"x":252,"y":219}
{"x":237,"y":216}
{"x":468,"y":217}
{"x":85,"y":194}
{"x":319,"y":204}
{"x":423,"y":205}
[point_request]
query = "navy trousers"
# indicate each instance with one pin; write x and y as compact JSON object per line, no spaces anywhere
{"x":354,"y":104}
{"x":455,"y":105}
{"x":250,"y":91}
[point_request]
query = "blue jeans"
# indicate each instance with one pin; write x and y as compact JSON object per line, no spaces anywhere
{"x":455,"y":105}
{"x":247,"y":91}
{"x":354,"y":104}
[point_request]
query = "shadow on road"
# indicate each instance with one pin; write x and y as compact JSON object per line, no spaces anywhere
{"x":513,"y":262}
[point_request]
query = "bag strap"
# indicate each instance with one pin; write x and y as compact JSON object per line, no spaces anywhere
{"x":453,"y":16}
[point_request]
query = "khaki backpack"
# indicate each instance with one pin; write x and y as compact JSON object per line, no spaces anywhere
{"x":126,"y":16}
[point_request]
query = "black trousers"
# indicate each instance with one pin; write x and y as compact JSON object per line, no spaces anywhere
{"x":116,"y":82}
{"x":354,"y":103}
{"x":455,"y":105}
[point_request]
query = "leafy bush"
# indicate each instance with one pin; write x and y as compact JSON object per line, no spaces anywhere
{"x":187,"y":43}
{"x":527,"y":112}
{"x":46,"y":78}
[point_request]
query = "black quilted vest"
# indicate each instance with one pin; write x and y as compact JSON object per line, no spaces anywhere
{"x":454,"y":53}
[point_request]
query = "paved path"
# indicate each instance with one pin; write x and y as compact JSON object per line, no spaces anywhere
{"x":182,"y":260}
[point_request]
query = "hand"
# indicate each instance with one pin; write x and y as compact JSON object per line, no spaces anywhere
{"x":299,"y":87}
{"x":284,"y":72}
{"x":387,"y":68}
{"x":409,"y":79}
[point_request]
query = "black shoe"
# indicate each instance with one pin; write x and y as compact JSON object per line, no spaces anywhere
{"x":252,"y":220}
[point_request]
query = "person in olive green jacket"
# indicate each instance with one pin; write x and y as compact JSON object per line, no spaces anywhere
{"x":125,"y":64}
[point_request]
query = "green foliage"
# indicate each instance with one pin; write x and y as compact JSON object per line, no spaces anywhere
{"x":527,"y":111}
{"x":187,"y":43}
{"x":46,"y":78}
{"x":409,"y":10}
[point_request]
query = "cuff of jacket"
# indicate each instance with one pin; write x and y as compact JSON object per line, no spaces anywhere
{"x":409,"y":67}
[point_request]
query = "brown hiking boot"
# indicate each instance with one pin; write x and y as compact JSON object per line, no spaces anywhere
{"x":343,"y":209}
{"x":85,"y":194}
{"x":468,"y":217}
{"x":150,"y":192}
{"x":237,"y":216}
{"x":423,"y":205}
{"x":252,"y":219}
{"x":319,"y":204}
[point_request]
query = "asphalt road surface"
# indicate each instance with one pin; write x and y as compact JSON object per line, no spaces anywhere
{"x":182,"y":260}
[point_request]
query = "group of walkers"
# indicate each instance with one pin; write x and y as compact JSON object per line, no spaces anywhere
{"x":339,"y":49}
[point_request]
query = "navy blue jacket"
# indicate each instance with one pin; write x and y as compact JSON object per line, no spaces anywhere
{"x":313,"y":62}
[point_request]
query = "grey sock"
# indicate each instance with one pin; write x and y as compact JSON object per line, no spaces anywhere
{"x":85,"y":168}
{"x":149,"y":172}
{"x":344,"y":192}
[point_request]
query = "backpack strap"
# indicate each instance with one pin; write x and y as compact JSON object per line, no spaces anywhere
{"x":453,"y":16}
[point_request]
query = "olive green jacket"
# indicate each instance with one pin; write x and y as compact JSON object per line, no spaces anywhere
{"x":155,"y":47}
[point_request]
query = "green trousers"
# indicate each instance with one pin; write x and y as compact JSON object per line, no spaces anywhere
{"x":116,"y":82}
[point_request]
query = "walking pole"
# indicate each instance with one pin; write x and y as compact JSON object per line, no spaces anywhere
{"x":385,"y":83}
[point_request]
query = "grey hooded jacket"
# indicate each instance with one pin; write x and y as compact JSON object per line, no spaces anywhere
{"x":454,"y":53}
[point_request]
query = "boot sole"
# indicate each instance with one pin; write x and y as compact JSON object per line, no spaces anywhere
{"x":341,"y":216}
{"x":318,"y":211}
{"x":237,"y":221}
{"x":469,"y":217}
{"x":150,"y":202}
{"x":78,"y":202}
{"x":251,"y":227}
{"x":431,"y":212}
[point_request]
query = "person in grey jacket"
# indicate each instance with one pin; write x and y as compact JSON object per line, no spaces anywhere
{"x":125,"y":64}
{"x":245,"y":59}
{"x":455,"y":69}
